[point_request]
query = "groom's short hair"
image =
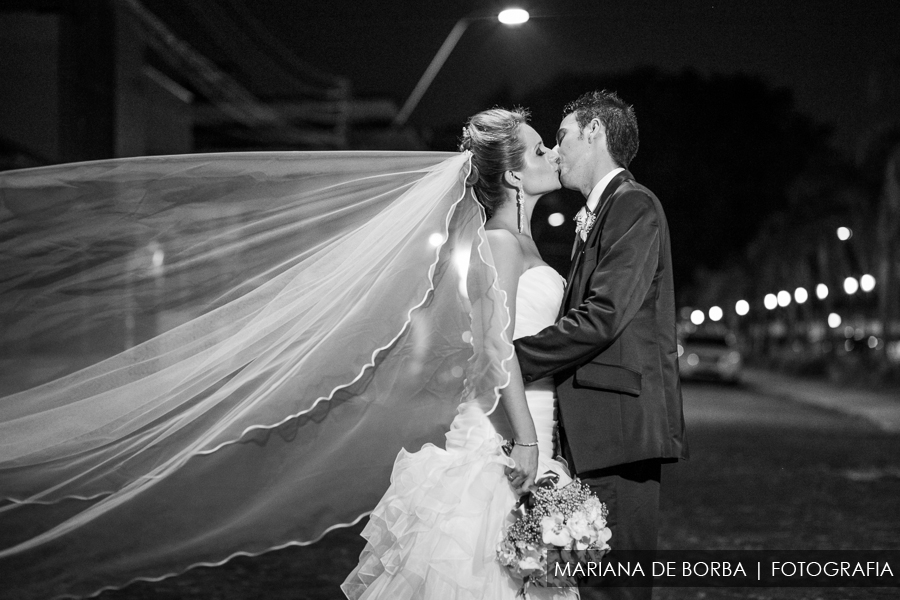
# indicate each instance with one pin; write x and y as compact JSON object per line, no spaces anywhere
{"x":617,"y":117}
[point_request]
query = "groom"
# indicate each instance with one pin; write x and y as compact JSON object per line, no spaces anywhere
{"x":613,"y":350}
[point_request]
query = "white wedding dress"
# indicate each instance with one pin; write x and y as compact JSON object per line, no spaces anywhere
{"x":435,"y":532}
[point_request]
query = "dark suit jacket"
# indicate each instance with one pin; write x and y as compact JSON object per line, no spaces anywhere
{"x":613,"y":351}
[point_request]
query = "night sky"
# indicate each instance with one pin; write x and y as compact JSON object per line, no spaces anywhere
{"x":838,"y":61}
{"x":833,"y":55}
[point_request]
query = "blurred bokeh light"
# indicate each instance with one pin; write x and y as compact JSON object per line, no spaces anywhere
{"x":784,"y":298}
{"x":556,"y":219}
{"x":867,"y":283}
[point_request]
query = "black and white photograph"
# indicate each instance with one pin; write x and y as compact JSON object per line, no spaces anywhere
{"x":468,"y":300}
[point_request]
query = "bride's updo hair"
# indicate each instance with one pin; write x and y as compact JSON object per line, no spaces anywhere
{"x":493,"y":138}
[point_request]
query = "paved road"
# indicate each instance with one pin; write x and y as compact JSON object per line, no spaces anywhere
{"x":765,"y":472}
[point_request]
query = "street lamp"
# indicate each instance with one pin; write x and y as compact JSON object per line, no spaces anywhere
{"x":513,"y":16}
{"x":867,"y":283}
{"x":509,"y":17}
{"x":783,"y":298}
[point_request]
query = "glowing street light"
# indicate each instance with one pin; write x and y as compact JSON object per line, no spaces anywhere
{"x":513,"y":16}
{"x":801,"y":295}
{"x":697,"y":317}
{"x":867,"y":283}
{"x":770,"y":301}
{"x":851,"y":285}
{"x":556,"y":219}
{"x":784,"y":298}
{"x":834,"y":320}
{"x":509,"y":17}
{"x":715,"y":313}
{"x":844,"y":233}
{"x":821,"y":291}
{"x":742,"y":307}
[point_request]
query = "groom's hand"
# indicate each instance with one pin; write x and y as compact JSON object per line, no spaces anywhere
{"x":521,"y":476}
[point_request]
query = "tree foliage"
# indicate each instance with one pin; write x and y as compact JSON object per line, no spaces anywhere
{"x":721,"y":152}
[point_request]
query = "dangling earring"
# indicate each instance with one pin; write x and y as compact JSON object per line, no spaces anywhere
{"x":520,"y":204}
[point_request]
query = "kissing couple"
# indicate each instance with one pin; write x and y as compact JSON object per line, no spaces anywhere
{"x":317,"y":314}
{"x":594,"y":391}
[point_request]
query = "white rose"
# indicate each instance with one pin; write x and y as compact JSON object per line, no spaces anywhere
{"x":603,"y":536}
{"x":529,"y":565}
{"x":532,"y":562}
{"x":594,"y":510}
{"x":506,"y":553}
{"x":581,"y":530}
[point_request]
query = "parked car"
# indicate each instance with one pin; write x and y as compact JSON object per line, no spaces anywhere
{"x":709,"y":354}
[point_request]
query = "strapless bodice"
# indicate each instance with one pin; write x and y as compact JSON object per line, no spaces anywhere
{"x":538,"y":297}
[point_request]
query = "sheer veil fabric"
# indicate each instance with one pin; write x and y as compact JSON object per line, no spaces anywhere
{"x":214,"y":355}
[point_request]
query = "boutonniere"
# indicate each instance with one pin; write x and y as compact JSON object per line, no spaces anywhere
{"x":584,"y":221}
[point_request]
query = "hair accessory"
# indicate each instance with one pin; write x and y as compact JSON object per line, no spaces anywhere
{"x":466,"y":141}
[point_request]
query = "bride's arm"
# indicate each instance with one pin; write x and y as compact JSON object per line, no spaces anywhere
{"x":509,"y":262}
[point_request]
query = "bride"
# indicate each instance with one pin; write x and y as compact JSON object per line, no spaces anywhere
{"x":292,"y":322}
{"x":434,"y":534}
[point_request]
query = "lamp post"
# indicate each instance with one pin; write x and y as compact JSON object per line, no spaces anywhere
{"x":510,"y":17}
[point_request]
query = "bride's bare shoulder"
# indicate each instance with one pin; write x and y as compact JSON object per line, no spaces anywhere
{"x":503,"y":240}
{"x":505,"y":249}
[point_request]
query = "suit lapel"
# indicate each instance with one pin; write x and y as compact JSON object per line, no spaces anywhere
{"x":592,"y":239}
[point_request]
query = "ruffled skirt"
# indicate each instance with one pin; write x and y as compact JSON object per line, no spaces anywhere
{"x":435,"y":532}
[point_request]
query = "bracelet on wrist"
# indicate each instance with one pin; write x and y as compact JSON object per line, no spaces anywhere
{"x":508,"y":445}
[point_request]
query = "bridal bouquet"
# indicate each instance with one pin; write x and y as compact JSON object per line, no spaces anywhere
{"x":566,"y":518}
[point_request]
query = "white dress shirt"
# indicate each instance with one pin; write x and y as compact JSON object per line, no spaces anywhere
{"x":594,"y":197}
{"x":591,"y":204}
{"x":592,"y":200}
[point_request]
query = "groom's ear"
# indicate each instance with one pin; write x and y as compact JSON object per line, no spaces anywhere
{"x":594,"y":129}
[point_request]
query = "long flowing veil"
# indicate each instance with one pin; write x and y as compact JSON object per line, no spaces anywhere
{"x":205,"y":356}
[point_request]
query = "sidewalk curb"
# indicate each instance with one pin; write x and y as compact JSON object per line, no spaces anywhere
{"x":880,"y":409}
